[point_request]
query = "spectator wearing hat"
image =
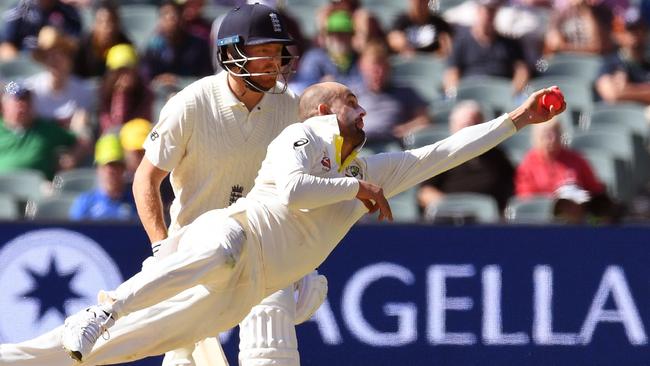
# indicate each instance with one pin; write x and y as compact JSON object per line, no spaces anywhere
{"x":58,"y":94}
{"x":420,"y":30}
{"x":366,"y":26}
{"x":106,"y":32}
{"x":625,"y":75}
{"x":22,"y":23}
{"x":481,"y":51}
{"x":132,"y":137}
{"x":335,"y":61}
{"x":112,"y":199}
{"x":173,"y":52}
{"x":123,"y":94}
{"x":27,"y":142}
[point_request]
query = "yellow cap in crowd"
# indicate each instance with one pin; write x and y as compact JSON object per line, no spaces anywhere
{"x":108,"y":150}
{"x":133,"y":133}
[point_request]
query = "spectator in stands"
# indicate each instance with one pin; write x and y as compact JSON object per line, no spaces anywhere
{"x":27,"y":142}
{"x":420,"y":30}
{"x":59,"y":95}
{"x":394,"y":111}
{"x":106,"y":32}
{"x":22,"y":23}
{"x":132,"y":137}
{"x":491,"y":173}
{"x":193,"y":21}
{"x":112,"y":199}
{"x":337,"y":61}
{"x":625,"y":75}
{"x":365,"y":24}
{"x":585,"y":26}
{"x":172,"y":52}
{"x":480,"y":51}
{"x":123,"y":93}
{"x":550,"y":165}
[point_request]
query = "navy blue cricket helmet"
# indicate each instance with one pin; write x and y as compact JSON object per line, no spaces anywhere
{"x":247,"y":25}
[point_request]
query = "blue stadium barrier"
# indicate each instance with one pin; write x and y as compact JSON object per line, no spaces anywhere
{"x":398,"y":294}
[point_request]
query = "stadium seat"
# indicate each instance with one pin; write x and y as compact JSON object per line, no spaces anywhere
{"x":535,"y":210}
{"x":620,"y":145}
{"x":24,"y":185}
{"x":520,"y":140}
{"x":213,"y":11}
{"x":577,"y":92}
{"x":19,"y":68}
{"x":75,"y":181}
{"x":52,"y":208}
{"x":139,"y":22}
{"x":426,"y":136}
{"x":631,"y":116}
{"x":404,"y":207}
{"x":305,"y":15}
{"x":462,"y":206}
{"x":8,"y":207}
{"x":584,"y":67}
{"x":611,"y":171}
{"x":515,"y":154}
{"x":495,"y":93}
{"x":422,"y":72}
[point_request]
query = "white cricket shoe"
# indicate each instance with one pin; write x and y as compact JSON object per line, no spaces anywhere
{"x":81,"y":331}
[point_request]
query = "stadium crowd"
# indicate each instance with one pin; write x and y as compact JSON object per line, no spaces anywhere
{"x":84,"y":80}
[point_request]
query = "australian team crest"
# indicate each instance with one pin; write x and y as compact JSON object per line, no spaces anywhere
{"x":46,"y":275}
{"x":353,"y":171}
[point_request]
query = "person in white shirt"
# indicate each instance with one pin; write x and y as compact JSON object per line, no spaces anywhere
{"x":310,"y":176}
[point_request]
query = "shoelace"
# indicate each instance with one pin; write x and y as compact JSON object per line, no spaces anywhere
{"x":91,"y":332}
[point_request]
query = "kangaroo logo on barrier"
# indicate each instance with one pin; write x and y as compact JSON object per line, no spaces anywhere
{"x":46,"y":275}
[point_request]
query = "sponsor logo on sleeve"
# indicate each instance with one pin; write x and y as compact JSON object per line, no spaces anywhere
{"x":300,"y":142}
{"x":154,"y":135}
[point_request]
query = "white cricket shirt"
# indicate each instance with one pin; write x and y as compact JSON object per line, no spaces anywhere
{"x":303,"y":202}
{"x":212,"y":145}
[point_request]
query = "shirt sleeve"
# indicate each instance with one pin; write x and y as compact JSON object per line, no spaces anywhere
{"x":524,"y":179}
{"x":297,"y":154}
{"x":79,"y":208}
{"x":399,"y":171}
{"x":165,"y":145}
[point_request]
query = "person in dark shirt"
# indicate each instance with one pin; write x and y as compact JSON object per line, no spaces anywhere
{"x":394,"y":111}
{"x":490,"y":173}
{"x":481,"y":51}
{"x":420,"y":30}
{"x":625,"y":76}
{"x":90,"y":60}
{"x":21,"y":24}
{"x":172,"y":52}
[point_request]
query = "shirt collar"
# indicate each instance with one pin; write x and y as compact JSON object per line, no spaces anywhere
{"x":328,"y":128}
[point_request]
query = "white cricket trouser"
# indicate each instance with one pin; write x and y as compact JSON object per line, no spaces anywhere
{"x":267,"y":336}
{"x":151,"y":320}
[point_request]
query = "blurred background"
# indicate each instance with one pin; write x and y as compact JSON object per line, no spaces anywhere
{"x":83,"y":82}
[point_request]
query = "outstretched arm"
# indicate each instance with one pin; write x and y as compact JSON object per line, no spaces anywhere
{"x":397,"y":172}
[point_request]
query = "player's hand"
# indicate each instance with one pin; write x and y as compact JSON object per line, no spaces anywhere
{"x":373,"y":198}
{"x":529,"y":112}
